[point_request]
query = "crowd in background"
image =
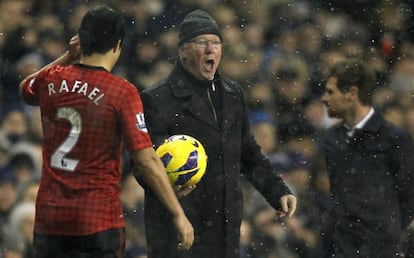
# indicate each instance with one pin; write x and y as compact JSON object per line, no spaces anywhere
{"x":278,"y":50}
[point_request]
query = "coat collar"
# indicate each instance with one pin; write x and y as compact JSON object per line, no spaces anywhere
{"x":181,"y":88}
{"x":372,"y":125}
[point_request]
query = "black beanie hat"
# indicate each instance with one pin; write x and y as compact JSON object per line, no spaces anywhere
{"x":196,"y":23}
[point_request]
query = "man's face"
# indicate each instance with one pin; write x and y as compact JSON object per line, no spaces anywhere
{"x":201,"y":55}
{"x":336,"y":102}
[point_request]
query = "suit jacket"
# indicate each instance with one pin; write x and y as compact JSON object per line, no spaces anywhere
{"x":215,"y":206}
{"x":372,"y":188}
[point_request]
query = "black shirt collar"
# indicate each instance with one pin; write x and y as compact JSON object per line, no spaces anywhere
{"x":91,"y":67}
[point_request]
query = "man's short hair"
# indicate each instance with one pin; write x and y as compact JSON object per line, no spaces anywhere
{"x":354,"y":72}
{"x":100,"y":30}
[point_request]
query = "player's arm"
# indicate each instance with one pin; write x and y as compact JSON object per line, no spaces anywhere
{"x":71,"y":55}
{"x":152,"y":170}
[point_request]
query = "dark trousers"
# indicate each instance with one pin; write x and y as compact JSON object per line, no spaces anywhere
{"x":106,"y":244}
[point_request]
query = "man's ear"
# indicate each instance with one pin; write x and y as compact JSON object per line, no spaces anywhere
{"x":181,"y":52}
{"x":117,"y":46}
{"x":353,"y":90}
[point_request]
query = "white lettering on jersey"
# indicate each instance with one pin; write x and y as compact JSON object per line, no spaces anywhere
{"x":92,"y":95}
{"x":141,"y":122}
{"x":97,"y":99}
{"x":83,"y":89}
{"x":51,"y":88}
{"x":64,"y":86}
{"x":78,"y":87}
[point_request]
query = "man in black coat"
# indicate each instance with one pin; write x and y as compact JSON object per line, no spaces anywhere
{"x":197,"y":101}
{"x":370,"y":164}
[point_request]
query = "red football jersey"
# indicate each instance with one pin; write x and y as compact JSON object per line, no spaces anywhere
{"x":86,"y":113}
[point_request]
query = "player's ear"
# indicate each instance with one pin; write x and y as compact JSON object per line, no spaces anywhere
{"x":117,"y":46}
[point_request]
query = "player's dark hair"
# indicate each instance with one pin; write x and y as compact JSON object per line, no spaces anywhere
{"x":353,"y":72}
{"x":100,"y":30}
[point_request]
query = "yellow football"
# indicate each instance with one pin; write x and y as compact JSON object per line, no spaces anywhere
{"x":184,"y":158}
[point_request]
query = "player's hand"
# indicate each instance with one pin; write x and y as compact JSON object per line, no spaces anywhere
{"x":185,"y":232}
{"x":74,"y":48}
{"x":288,"y":203}
{"x":181,"y":191}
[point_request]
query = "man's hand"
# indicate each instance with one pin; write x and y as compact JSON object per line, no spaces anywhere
{"x":153,"y":173}
{"x":74,"y":48}
{"x":288,"y":203}
{"x":181,"y":191}
{"x":72,"y":54}
{"x":185,"y":232}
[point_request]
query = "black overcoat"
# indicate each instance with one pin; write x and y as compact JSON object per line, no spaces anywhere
{"x":372,"y":189}
{"x":215,"y":206}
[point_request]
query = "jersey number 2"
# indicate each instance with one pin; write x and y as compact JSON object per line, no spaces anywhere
{"x":58,"y":159}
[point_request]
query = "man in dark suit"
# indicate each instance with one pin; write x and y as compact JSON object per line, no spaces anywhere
{"x":370,"y":163}
{"x":196,"y":100}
